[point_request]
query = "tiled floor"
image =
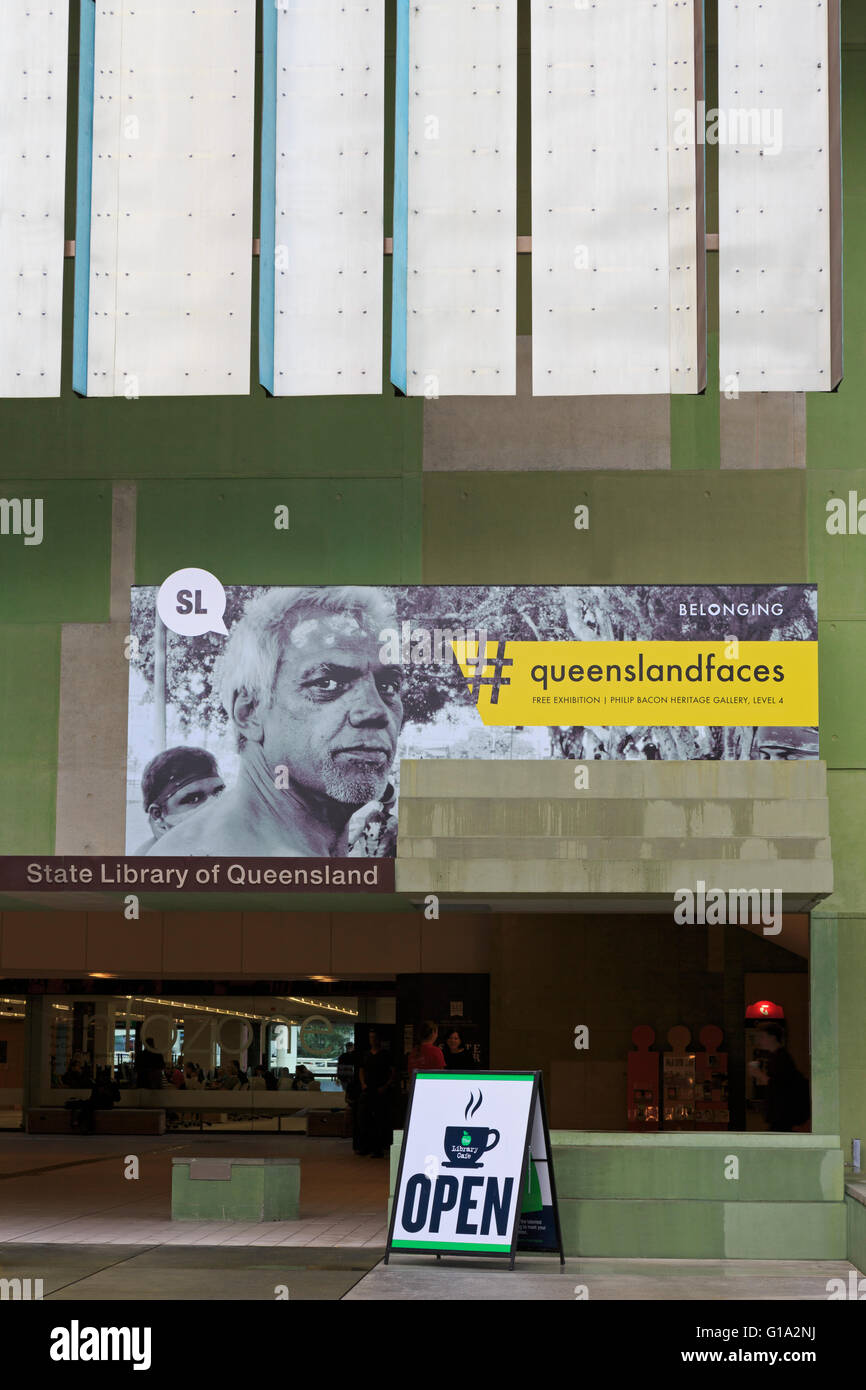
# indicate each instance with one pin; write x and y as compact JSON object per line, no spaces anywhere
{"x":70,"y":1217}
{"x":123,"y":1273}
{"x":57,"y":1190}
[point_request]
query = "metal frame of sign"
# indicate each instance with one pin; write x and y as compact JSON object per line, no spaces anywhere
{"x":536,"y":1098}
{"x":548,"y":1162}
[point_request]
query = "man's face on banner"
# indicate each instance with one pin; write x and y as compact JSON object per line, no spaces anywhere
{"x":336,"y":710}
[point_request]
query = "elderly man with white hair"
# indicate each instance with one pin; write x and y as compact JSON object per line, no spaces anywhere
{"x":317,"y":716}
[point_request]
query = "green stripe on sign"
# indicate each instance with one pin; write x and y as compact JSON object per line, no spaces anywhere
{"x":469,"y":1075}
{"x":449,"y":1245}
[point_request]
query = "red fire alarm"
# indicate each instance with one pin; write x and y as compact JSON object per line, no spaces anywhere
{"x":765,"y":1008}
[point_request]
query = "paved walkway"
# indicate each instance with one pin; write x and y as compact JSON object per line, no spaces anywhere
{"x":107,"y":1272}
{"x":118,"y":1273}
{"x":57,"y":1190}
{"x":543,"y":1279}
{"x":68,"y":1216}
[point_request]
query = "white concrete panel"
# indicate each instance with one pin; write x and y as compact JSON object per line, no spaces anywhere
{"x":775,"y":203}
{"x":171,"y":204}
{"x":617,"y":198}
{"x":330,"y":140}
{"x":461,"y":210}
{"x":33,"y":65}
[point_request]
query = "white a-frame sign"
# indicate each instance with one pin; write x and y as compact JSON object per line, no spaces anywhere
{"x":475,"y":1175}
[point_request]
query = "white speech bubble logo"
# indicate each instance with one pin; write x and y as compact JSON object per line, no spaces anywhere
{"x":191,"y":602}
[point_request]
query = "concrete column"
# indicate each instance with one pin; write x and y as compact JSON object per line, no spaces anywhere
{"x":824,"y":1023}
{"x":37,"y":1051}
{"x":852,"y":1036}
{"x":102,"y":1033}
{"x":734,"y":1009}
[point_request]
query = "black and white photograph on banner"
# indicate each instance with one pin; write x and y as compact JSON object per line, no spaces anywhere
{"x":284,"y":737}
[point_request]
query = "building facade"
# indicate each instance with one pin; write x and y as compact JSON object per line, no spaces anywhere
{"x":390,"y":490}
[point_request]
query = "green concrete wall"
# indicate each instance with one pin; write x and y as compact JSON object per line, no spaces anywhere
{"x":65,"y":578}
{"x":661,"y":1171}
{"x":824,"y":1022}
{"x":29,"y":706}
{"x":704,"y":1230}
{"x":856,"y":1233}
{"x":645,"y":528}
{"x":666,"y":1196}
{"x":851,"y":933}
{"x":838,"y":563}
{"x":354,"y":531}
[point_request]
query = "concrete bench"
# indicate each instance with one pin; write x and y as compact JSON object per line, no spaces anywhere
{"x":330,"y":1124}
{"x":235,"y":1189}
{"x":123,"y":1121}
{"x":263,"y":1102}
{"x":49,"y":1119}
{"x":218,"y":1106}
{"x":56,"y":1119}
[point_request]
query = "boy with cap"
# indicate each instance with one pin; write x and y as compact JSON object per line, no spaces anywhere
{"x":174,"y":784}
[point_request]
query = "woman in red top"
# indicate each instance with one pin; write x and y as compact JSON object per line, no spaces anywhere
{"x":426,"y":1056}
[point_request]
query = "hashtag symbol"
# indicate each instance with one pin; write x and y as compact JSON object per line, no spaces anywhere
{"x":477,"y":665}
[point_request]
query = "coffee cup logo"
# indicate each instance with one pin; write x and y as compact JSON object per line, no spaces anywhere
{"x":465,"y":1145}
{"x":465,"y":1148}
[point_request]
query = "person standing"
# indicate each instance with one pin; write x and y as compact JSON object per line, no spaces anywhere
{"x":426,"y":1056}
{"x":151,"y":1065}
{"x":457,"y":1055}
{"x":787,"y":1088}
{"x":348,"y":1067}
{"x":374,"y":1104}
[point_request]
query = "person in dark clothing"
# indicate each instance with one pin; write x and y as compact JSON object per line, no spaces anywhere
{"x":374,"y":1103}
{"x":456,"y":1053}
{"x":78,"y":1075}
{"x":104,"y":1095}
{"x":787,"y":1088}
{"x":348,"y":1068}
{"x":348,"y":1064}
{"x":150,"y":1067}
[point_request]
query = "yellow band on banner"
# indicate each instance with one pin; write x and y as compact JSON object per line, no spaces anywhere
{"x":728,"y":684}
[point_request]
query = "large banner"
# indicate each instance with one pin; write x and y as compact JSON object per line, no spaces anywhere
{"x":270,"y":722}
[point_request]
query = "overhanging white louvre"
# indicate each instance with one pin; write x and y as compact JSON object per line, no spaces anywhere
{"x":33,"y":63}
{"x":164,"y":306}
{"x":618,"y":296}
{"x":322,"y":189}
{"x":780,"y":248}
{"x":455,"y":267}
